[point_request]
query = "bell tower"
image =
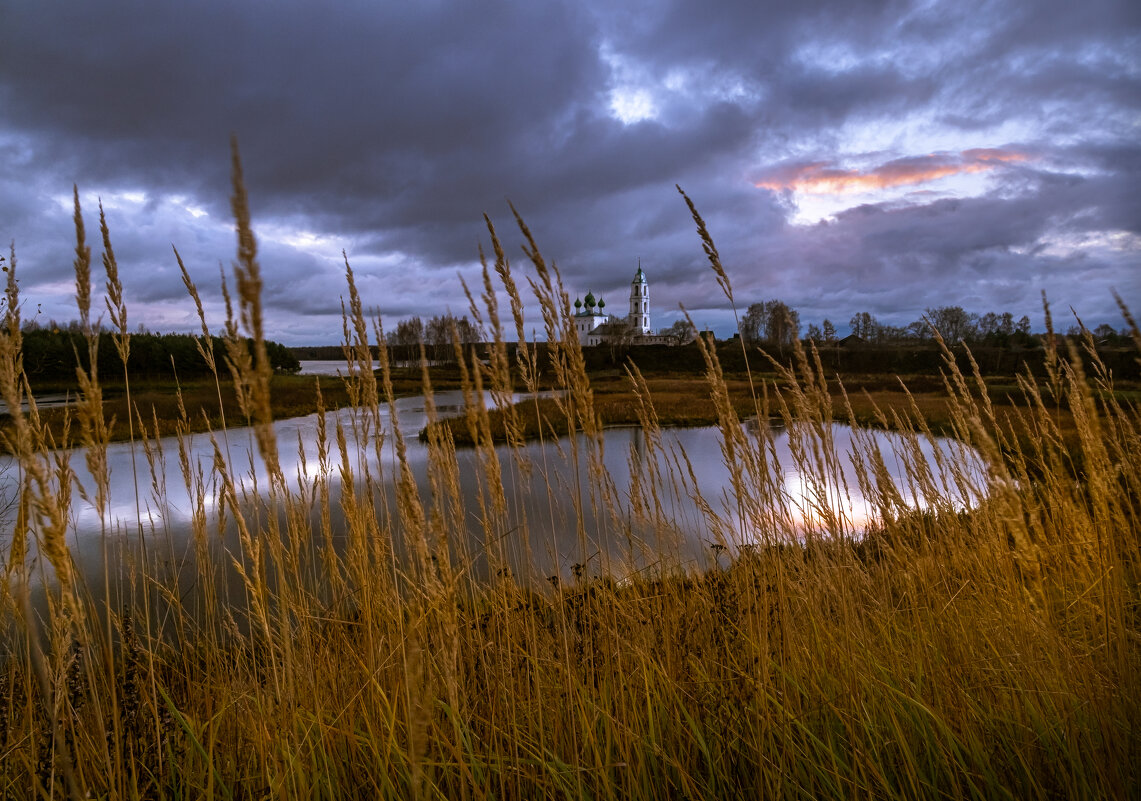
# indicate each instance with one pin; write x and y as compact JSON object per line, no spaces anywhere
{"x":639,"y":316}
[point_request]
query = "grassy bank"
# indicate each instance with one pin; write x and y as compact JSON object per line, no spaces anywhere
{"x":990,"y":652}
{"x":873,"y":401}
{"x":198,"y":405}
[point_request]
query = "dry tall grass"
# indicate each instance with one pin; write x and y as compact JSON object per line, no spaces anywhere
{"x":988,"y":652}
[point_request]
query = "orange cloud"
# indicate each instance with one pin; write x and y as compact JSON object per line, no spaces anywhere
{"x":822,"y":178}
{"x":985,"y":154}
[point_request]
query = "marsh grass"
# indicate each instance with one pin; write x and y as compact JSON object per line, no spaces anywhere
{"x":987,"y":651}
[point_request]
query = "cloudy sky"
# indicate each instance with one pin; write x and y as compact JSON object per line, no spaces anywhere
{"x":848,"y":156}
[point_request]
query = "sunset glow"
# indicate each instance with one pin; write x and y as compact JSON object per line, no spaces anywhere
{"x":823,"y":178}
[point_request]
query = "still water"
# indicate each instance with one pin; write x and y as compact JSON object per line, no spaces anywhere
{"x":322,"y":367}
{"x":670,"y":499}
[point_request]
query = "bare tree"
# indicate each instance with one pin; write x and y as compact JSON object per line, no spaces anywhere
{"x":468,"y":333}
{"x":406,"y":338}
{"x":771,"y":321}
{"x":828,"y":330}
{"x":953,"y":322}
{"x":682,"y":332}
{"x":618,"y":336}
{"x":752,"y":322}
{"x":864,"y":325}
{"x":438,"y":337}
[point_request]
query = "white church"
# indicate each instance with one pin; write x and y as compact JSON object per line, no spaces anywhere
{"x":595,"y":327}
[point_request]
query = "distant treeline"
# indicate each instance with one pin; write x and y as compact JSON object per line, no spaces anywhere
{"x":323,"y":353}
{"x":1001,"y":355}
{"x":403,"y":354}
{"x":853,"y":357}
{"x":774,"y":322}
{"x":437,"y":335}
{"x":51,"y":353}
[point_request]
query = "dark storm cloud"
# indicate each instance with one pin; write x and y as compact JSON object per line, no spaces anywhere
{"x":387,"y":131}
{"x":353,"y":96}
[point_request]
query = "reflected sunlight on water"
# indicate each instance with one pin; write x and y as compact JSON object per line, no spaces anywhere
{"x":683,"y":478}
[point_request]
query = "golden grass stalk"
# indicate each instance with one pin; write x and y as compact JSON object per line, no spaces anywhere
{"x":714,"y":257}
{"x":117,"y":309}
{"x":247,"y":273}
{"x":42,"y":513}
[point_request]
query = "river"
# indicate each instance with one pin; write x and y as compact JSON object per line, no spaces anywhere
{"x":670,"y":500}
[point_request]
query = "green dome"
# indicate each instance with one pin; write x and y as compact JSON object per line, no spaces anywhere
{"x":589,"y":300}
{"x":577,"y":303}
{"x":601,"y":303}
{"x":639,"y":277}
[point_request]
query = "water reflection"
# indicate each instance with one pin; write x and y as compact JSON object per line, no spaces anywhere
{"x":630,"y":503}
{"x":50,"y":400}
{"x":331,"y":367}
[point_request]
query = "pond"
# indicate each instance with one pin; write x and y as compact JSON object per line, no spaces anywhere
{"x":647,"y":499}
{"x":322,"y":367}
